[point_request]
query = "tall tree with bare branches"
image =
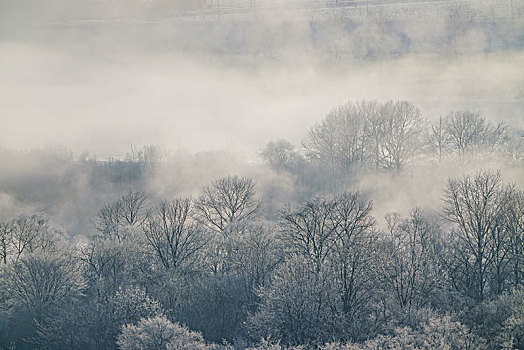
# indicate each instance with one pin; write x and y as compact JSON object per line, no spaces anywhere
{"x":228,"y":200}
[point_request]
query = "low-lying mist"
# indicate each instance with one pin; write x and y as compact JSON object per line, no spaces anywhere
{"x":100,"y":77}
{"x":104,"y":103}
{"x":94,"y":80}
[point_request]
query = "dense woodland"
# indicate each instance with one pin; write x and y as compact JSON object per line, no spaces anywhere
{"x":286,"y":252}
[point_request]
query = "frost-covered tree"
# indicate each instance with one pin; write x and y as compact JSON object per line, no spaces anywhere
{"x":173,"y":235}
{"x":89,"y":324}
{"x":120,"y":217}
{"x":27,"y":234}
{"x":280,"y":154}
{"x":434,"y":332}
{"x":229,"y":200}
{"x":468,"y":133}
{"x":256,"y":255}
{"x":401,"y":136}
{"x":40,"y":282}
{"x":339,"y":140}
{"x":309,"y":231}
{"x":475,"y":206}
{"x":298,"y":307}
{"x":159,"y":333}
{"x":411,"y":266}
{"x":353,"y":260}
{"x":109,"y":264}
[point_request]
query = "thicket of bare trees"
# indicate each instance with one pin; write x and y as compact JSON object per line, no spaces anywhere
{"x":392,"y":135}
{"x":172,"y":273}
{"x":324,"y":272}
{"x":384,"y":135}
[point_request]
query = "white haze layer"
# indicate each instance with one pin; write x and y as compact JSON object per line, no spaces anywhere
{"x":105,"y":101}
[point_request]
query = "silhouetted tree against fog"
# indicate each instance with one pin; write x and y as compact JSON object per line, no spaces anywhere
{"x":402,"y":130}
{"x":514,"y":220}
{"x":411,"y":267}
{"x":309,"y":231}
{"x":383,"y":135}
{"x":354,"y":259}
{"x":148,"y":155}
{"x":172,"y":234}
{"x":42,"y":281}
{"x":436,"y":138}
{"x":475,"y":206}
{"x":280,"y":153}
{"x":340,"y":140}
{"x":468,"y":134}
{"x":6,"y":231}
{"x":228,"y":200}
{"x":117,"y":218}
{"x":133,"y":206}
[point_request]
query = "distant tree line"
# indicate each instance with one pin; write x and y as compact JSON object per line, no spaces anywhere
{"x":392,"y":135}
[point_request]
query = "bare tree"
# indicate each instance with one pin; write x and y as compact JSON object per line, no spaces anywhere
{"x":33,"y":233}
{"x":25,"y":232}
{"x":6,"y":231}
{"x":384,"y":135}
{"x":309,"y":231}
{"x":353,"y":257}
{"x":411,"y":267}
{"x":437,"y":138}
{"x":228,"y":200}
{"x":279,"y":153}
{"x":109,"y":219}
{"x":105,"y":266}
{"x":173,"y":235}
{"x":475,"y":206}
{"x":148,"y":155}
{"x":133,"y":207}
{"x":401,"y":133}
{"x":468,"y":133}
{"x":339,"y":140}
{"x":43,"y":281}
{"x":374,"y":132}
{"x":256,"y":255}
{"x":514,"y":222}
{"x":116,"y":218}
